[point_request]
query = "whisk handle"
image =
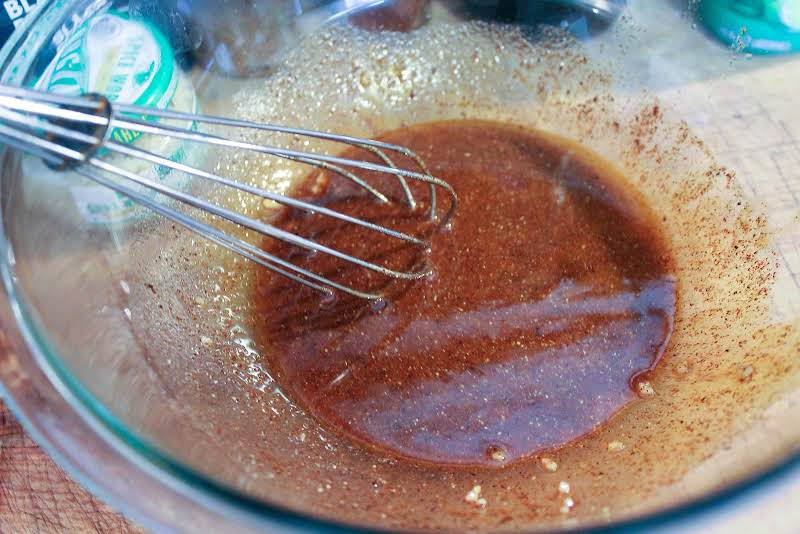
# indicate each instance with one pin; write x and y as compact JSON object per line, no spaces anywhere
{"x":100,"y":133}
{"x":68,"y":129}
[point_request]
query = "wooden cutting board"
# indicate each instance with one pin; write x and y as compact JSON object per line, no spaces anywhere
{"x":37,"y":497}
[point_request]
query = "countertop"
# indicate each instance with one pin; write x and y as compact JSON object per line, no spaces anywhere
{"x":36,"y":496}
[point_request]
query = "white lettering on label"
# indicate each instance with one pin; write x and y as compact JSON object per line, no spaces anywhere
{"x":13,"y":9}
{"x":77,"y":19}
{"x":18,"y":8}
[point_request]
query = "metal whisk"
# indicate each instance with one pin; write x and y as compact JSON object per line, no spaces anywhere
{"x":67,"y":132}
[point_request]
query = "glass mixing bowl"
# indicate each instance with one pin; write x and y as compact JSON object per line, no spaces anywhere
{"x":128,"y":342}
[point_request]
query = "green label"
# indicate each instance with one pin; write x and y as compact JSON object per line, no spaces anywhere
{"x":127,"y":60}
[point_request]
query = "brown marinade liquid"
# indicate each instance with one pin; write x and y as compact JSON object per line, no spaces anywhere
{"x":553,"y":290}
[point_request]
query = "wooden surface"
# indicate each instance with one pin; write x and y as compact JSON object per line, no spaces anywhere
{"x":37,"y":497}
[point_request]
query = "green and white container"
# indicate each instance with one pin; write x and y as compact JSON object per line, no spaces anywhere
{"x":128,"y":60}
{"x":754,"y":26}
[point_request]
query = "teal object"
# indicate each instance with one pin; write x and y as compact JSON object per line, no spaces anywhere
{"x":753,"y":26}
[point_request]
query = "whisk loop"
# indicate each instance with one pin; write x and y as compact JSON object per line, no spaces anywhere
{"x":69,"y":132}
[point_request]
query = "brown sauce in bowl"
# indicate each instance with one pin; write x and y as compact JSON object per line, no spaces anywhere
{"x":553,"y":291}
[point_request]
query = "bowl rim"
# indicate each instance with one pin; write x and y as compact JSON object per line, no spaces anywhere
{"x":223,"y":501}
{"x":136,"y":455}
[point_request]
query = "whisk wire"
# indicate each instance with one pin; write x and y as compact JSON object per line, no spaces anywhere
{"x":203,"y":137}
{"x":75,"y":128}
{"x":231,"y":243}
{"x":280,"y":199}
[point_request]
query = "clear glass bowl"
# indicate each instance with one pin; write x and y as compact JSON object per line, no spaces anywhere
{"x":128,"y":347}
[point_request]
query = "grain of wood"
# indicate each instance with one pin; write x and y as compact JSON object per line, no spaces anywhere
{"x":37,"y":497}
